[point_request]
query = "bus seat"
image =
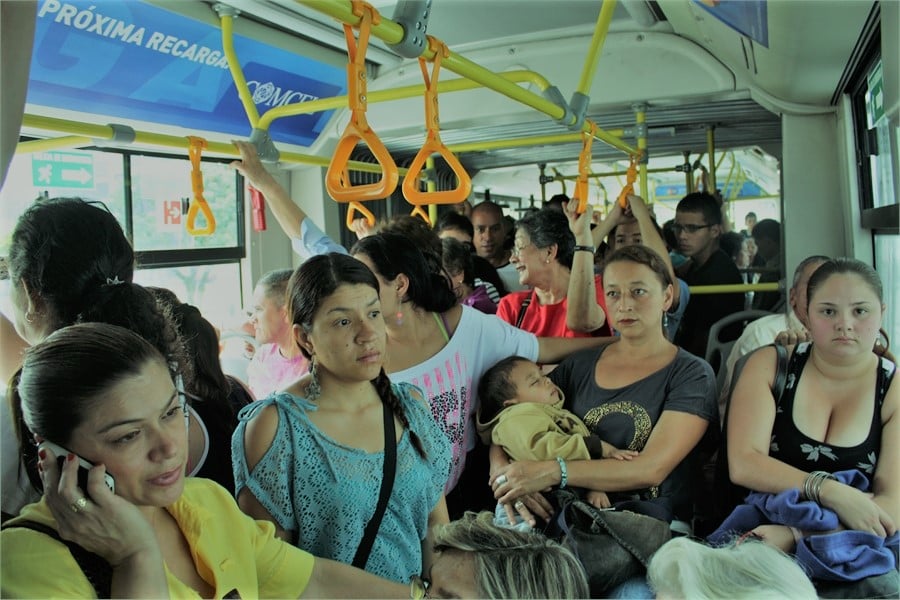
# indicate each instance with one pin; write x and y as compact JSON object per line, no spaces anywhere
{"x":717,"y":351}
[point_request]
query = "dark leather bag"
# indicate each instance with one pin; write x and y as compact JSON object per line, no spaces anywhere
{"x":613,"y":545}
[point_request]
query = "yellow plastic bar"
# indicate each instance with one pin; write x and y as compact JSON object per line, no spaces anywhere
{"x":609,"y":174}
{"x":409,"y":91}
{"x":105,"y":132}
{"x":596,"y":47}
{"x":534,"y":140}
{"x":391,"y":32}
{"x":69,"y":141}
{"x":236,"y":73}
{"x":640,"y":118}
{"x":711,"y":150}
{"x":734,"y":287}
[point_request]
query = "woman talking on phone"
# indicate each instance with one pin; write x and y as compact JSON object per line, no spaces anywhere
{"x":107,"y":396}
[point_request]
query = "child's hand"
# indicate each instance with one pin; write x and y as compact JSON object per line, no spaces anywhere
{"x":598,"y":499}
{"x":610,"y":451}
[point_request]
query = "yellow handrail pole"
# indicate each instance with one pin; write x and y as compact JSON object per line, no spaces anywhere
{"x":431,"y":187}
{"x":721,"y":159}
{"x":69,"y":141}
{"x":711,"y":149}
{"x":640,"y":120}
{"x":409,"y":91}
{"x":105,"y":132}
{"x":734,"y":287}
{"x":609,"y":174}
{"x":596,"y":47}
{"x":534,"y":140}
{"x":392,"y":33}
{"x":237,"y":74}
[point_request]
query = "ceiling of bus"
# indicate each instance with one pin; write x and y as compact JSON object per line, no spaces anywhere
{"x":800,"y":67}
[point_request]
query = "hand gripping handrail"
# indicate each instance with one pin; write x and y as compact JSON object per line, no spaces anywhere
{"x":434,"y":145}
{"x":198,"y":202}
{"x":630,"y":177}
{"x":584,"y":167}
{"x":337,"y":178}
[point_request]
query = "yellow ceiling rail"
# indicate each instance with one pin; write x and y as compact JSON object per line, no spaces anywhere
{"x":596,"y":47}
{"x":69,"y":141}
{"x":732,"y":288}
{"x":392,"y":33}
{"x":226,"y":18}
{"x":410,"y":91}
{"x":533,"y":140}
{"x":105,"y":132}
{"x":559,"y":177}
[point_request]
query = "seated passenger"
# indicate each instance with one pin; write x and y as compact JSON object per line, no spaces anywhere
{"x":457,"y":260}
{"x":277,"y":362}
{"x":475,"y":559}
{"x":106,"y":395}
{"x":698,"y":225}
{"x":641,"y":228}
{"x":747,"y":570}
{"x":567,"y":298}
{"x":641,"y":393}
{"x":315,"y":458}
{"x":521,"y":411}
{"x":831,"y":441}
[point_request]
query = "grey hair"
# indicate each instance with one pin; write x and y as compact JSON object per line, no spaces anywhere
{"x":274,"y":285}
{"x":798,"y":272}
{"x":513,"y":564}
{"x":752,"y":569}
{"x":548,"y":227}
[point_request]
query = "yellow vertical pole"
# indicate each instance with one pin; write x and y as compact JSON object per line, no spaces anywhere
{"x":593,"y":55}
{"x":431,"y":186}
{"x":640,"y":120}
{"x":711,"y":150}
{"x":227,"y":15}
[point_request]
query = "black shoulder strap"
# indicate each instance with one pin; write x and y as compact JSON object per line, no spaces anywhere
{"x":525,"y":302}
{"x":387,"y":484}
{"x":781,"y":369}
{"x":94,"y":567}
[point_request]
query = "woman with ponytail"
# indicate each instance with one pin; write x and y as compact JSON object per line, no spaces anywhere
{"x":312,"y":458}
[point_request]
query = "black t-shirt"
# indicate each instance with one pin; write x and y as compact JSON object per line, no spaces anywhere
{"x":705,"y":309}
{"x":625,"y":417}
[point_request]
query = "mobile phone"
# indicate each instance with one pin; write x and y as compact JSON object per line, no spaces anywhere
{"x":83,"y":467}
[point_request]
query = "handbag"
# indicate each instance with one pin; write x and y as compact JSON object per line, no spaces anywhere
{"x":612,"y":545}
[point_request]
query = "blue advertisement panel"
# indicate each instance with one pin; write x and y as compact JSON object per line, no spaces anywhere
{"x":132,"y":60}
{"x":748,"y":189}
{"x":749,"y":17}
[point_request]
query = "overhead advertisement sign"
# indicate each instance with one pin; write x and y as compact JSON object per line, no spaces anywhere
{"x":749,"y":17}
{"x":132,"y":60}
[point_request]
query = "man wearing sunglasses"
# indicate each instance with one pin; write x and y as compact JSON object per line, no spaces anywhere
{"x":698,"y":224}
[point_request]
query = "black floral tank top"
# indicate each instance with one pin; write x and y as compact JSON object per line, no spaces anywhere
{"x":791,"y":446}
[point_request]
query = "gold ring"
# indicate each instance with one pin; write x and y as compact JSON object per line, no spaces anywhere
{"x":79,"y":505}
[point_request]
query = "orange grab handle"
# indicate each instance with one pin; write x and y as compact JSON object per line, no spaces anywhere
{"x":433,"y":143}
{"x":357,"y":207}
{"x":198,"y":202}
{"x":628,"y":190}
{"x":337,"y":178}
{"x":418,"y":211}
{"x":584,"y":167}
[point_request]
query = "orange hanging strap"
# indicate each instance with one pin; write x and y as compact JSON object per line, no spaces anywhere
{"x":584,"y":169}
{"x":337,"y":178}
{"x":434,"y":145}
{"x":630,"y":177}
{"x":198,"y":202}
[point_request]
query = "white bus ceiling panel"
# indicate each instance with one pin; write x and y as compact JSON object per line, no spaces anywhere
{"x":650,"y":62}
{"x":809,"y":43}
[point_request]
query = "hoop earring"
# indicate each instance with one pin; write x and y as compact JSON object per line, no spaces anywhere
{"x":29,"y":317}
{"x":313,"y":388}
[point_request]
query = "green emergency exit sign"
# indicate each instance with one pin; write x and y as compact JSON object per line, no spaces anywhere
{"x":62,"y":169}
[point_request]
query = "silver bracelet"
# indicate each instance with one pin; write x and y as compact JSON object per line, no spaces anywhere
{"x":563,"y":473}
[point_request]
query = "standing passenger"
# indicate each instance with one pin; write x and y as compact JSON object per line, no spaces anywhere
{"x":490,"y":237}
{"x":698,"y":225}
{"x":278,"y":361}
{"x":313,"y":458}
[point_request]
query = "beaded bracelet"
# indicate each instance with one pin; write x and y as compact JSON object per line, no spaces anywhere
{"x":563,"y":473}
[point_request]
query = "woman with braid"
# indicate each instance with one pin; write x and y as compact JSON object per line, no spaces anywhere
{"x":311,"y":458}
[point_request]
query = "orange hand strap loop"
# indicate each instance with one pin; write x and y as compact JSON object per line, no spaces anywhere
{"x":434,"y":145}
{"x":337,"y":178}
{"x":198,"y":202}
{"x":355,"y":207}
{"x":630,"y":177}
{"x":584,"y":169}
